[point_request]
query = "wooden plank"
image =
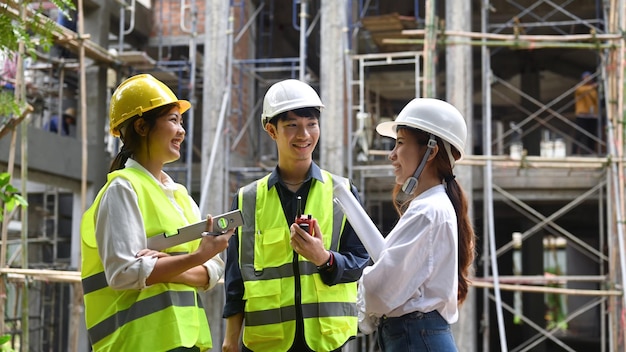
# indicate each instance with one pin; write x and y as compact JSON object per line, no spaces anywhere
{"x":138,"y":59}
{"x":389,"y":22}
{"x":384,"y":27}
{"x":167,"y":77}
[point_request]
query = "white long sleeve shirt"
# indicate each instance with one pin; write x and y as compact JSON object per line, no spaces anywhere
{"x":418,"y":266}
{"x":120,"y":234}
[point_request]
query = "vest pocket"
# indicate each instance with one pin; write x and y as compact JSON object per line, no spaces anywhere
{"x":272,"y":248}
{"x":263,"y":314}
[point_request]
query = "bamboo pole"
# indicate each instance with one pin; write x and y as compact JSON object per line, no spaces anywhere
{"x":614,"y":87}
{"x":543,"y":289}
{"x":76,"y":309}
{"x":10,"y":126}
{"x":46,"y":275}
{"x":14,"y":121}
{"x":544,"y":279}
{"x":526,"y":162}
{"x":20,"y":97}
{"x":592,"y":37}
{"x":430,"y":44}
{"x":516,"y":44}
{"x":620,"y":115}
{"x":519,"y":41}
{"x":5,"y":231}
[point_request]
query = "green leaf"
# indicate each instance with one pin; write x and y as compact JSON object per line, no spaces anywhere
{"x":10,"y":204}
{"x":4,"y":339}
{"x":4,"y":179}
{"x":20,"y":200}
{"x":8,"y":106}
{"x":67,"y":4}
{"x":10,"y":189}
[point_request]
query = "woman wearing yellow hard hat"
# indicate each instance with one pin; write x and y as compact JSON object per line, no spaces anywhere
{"x":138,"y":299}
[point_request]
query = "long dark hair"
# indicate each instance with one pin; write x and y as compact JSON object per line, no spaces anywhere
{"x":132,"y":139}
{"x":467,"y":238}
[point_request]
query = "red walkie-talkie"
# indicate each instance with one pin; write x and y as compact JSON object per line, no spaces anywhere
{"x":304,"y":221}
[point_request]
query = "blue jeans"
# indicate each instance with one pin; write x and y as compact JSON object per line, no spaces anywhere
{"x":415,"y":331}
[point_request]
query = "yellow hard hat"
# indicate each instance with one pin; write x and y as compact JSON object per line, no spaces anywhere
{"x":137,"y":95}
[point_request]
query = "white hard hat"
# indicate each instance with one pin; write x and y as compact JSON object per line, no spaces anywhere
{"x":290,"y":94}
{"x":433,"y":116}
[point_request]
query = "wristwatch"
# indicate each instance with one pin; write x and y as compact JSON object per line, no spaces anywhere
{"x":328,"y":266}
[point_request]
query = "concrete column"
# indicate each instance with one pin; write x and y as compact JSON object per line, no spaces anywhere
{"x":459,"y":93}
{"x":215,"y":70}
{"x":215,"y":55}
{"x":333,"y":83}
{"x":96,"y":23}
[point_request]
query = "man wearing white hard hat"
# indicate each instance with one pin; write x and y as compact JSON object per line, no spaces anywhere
{"x":288,"y":288}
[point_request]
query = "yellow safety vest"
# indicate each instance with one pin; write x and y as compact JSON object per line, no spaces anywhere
{"x":159,"y":317}
{"x":266,"y":263}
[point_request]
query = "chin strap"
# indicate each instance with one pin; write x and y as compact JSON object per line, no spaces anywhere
{"x":410,"y":184}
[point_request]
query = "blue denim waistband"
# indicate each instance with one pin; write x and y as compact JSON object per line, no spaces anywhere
{"x":412,"y":315}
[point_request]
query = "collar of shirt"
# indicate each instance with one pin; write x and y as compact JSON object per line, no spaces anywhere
{"x":432,"y":190}
{"x":165,"y":182}
{"x":314,"y":172}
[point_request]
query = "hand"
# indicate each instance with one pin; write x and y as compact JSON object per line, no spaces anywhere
{"x":212,"y":245}
{"x":310,"y":247}
{"x":228,"y":347}
{"x":150,"y":253}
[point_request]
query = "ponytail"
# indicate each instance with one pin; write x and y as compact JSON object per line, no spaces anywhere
{"x":466,"y":238}
{"x":121,"y":158}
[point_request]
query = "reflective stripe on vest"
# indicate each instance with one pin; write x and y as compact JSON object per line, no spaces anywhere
{"x":266,"y":263}
{"x":142,"y":309}
{"x":160,"y":316}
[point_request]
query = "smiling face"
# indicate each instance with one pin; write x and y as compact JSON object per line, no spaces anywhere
{"x":295,"y":136}
{"x":165,"y":138}
{"x":405,"y":156}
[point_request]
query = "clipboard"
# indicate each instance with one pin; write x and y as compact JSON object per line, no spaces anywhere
{"x":221,"y":224}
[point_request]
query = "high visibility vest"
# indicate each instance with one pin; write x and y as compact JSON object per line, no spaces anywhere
{"x":267,"y":269}
{"x":159,"y":317}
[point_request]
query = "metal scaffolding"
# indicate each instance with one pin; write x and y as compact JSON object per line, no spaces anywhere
{"x":604,"y":39}
{"x":508,"y":296}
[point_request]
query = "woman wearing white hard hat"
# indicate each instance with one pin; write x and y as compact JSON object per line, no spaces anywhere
{"x":413,"y":291}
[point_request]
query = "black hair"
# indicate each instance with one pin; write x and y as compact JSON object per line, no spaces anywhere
{"x":302,"y":112}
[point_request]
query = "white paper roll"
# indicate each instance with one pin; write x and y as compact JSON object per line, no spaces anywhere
{"x":364,"y":227}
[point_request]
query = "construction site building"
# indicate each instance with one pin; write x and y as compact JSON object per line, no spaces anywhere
{"x":547,"y":196}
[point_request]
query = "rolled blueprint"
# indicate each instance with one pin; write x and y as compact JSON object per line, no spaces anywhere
{"x":364,"y":227}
